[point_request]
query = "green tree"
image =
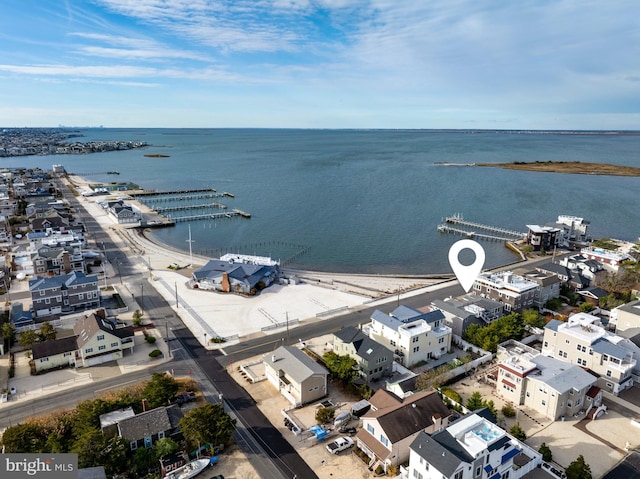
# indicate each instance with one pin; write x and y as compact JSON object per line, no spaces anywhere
{"x":28,"y":337}
{"x":517,"y":432}
{"x":491,"y":407}
{"x":207,"y":424}
{"x":8,"y":334}
{"x":475,"y":401}
{"x":160,"y":390}
{"x":137,"y":317}
{"x":142,"y":461}
{"x":325,"y":415}
{"x":340,"y":366}
{"x":585,"y":307}
{"x":165,"y":446}
{"x":95,"y":449}
{"x":47,"y":331}
{"x":579,"y":469}
{"x":508,"y":410}
{"x":27,"y":438}
{"x":533,"y":318}
{"x":546,"y":452}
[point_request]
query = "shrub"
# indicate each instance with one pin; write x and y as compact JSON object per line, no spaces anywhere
{"x":546,"y":452}
{"x":155,"y":353}
{"x":508,"y":410}
{"x":150,"y":339}
{"x":325,"y":415}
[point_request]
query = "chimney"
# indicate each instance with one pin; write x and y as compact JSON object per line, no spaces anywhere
{"x":225,"y":285}
{"x":273,"y":358}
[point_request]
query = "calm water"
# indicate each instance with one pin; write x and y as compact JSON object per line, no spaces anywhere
{"x":368,"y":201}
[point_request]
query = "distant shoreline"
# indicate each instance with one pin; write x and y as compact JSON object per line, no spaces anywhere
{"x":567,"y":167}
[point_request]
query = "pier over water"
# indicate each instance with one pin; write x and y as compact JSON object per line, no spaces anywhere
{"x":485,"y":231}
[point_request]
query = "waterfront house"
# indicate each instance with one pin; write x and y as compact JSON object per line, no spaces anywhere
{"x":56,"y":261}
{"x":66,"y":293}
{"x":414,"y":336}
{"x":299,"y":378}
{"x":472,"y":447}
{"x":627,"y":320}
{"x":392,"y":423}
{"x":549,"y":286}
{"x":460,"y":313}
{"x":230,"y":276}
{"x":573,"y":279}
{"x":374,"y":360}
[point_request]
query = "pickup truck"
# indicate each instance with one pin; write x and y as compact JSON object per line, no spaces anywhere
{"x":339,"y":445}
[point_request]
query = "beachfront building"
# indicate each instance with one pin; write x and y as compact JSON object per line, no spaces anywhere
{"x":548,"y":283}
{"x":233,"y":276}
{"x":391,"y":425}
{"x":542,"y":238}
{"x":472,"y":447}
{"x":61,"y":294}
{"x":572,"y":278}
{"x":374,"y":360}
{"x":513,"y":291}
{"x":299,"y":378}
{"x":589,"y":268}
{"x":122,"y":212}
{"x":583,"y":341}
{"x":414,"y":336}
{"x":546,"y":385}
{"x":55,"y":261}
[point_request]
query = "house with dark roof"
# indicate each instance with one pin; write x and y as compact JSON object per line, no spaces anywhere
{"x":96,"y":340}
{"x":573,"y":279}
{"x":627,"y":319}
{"x":47,"y":224}
{"x":392,"y":424}
{"x":472,"y":447}
{"x":460,"y":313}
{"x":234,"y":277}
{"x":374,"y":360}
{"x":123,"y":212}
{"x":101,"y":339}
{"x":63,"y":294}
{"x":56,"y":261}
{"x":414,"y":336}
{"x":146,"y":428}
{"x":298,"y":377}
{"x":593,"y":294}
{"x":54,"y":353}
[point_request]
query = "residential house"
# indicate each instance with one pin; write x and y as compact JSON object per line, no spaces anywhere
{"x":50,"y":261}
{"x":542,"y":238}
{"x":96,"y":472}
{"x":48,"y":224}
{"x":374,"y":360}
{"x":611,"y":260}
{"x":54,"y":353}
{"x":573,"y":279}
{"x":627,"y":319}
{"x":96,"y":340}
{"x":472,"y":447}
{"x":589,"y":268}
{"x":413,"y":335}
{"x":583,"y":341}
{"x":546,"y":385}
{"x":124,"y":212}
{"x":101,"y":339}
{"x":147,"y":428}
{"x":66,"y":293}
{"x":574,"y":229}
{"x":392,"y":424}
{"x":231,"y":276}
{"x":593,"y":295}
{"x":549,"y":286}
{"x":514,"y":291}
{"x":460,"y":313}
{"x":298,"y":377}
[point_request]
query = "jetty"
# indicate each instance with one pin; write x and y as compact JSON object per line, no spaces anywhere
{"x":170,"y":209}
{"x":485,"y":231}
{"x":147,"y":193}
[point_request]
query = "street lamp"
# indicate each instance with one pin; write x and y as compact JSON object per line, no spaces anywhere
{"x":205,"y":340}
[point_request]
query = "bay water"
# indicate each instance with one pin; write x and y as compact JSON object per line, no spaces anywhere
{"x":367,"y":201}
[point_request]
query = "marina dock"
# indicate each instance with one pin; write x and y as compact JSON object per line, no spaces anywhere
{"x":486,"y":231}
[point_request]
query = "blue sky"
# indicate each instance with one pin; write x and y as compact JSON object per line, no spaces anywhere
{"x":321,"y":63}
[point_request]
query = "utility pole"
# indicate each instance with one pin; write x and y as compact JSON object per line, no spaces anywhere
{"x":190,"y":251}
{"x":142,"y":297}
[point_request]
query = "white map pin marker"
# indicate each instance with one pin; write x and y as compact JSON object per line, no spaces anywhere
{"x":466,"y":274}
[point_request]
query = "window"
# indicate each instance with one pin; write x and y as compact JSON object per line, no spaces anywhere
{"x":133,"y":445}
{"x":564,"y":355}
{"x":458,"y":475}
{"x":416,"y":349}
{"x":608,"y":373}
{"x":441,"y":340}
{"x":384,"y":440}
{"x":478,"y":471}
{"x":544,"y":403}
{"x":605,"y":357}
{"x":81,"y":296}
{"x":114,"y":345}
{"x":567,"y":341}
{"x":47,"y":301}
{"x":161,"y":435}
{"x":569,"y":404}
{"x":102,"y":348}
{"x":371,"y":429}
{"x":100,"y":337}
{"x":414,"y":339}
{"x":88,"y":350}
{"x":44,"y":360}
{"x":66,"y":354}
{"x":417,"y":475}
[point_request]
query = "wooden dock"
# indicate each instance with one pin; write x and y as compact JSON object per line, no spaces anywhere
{"x":486,"y":232}
{"x":170,"y":209}
{"x":172,"y":192}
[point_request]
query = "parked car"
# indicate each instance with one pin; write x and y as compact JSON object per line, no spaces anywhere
{"x":347,"y":430}
{"x":339,"y":445}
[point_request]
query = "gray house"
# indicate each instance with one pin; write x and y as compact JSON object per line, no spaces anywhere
{"x":374,"y":360}
{"x":64,"y":294}
{"x":146,"y":428}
